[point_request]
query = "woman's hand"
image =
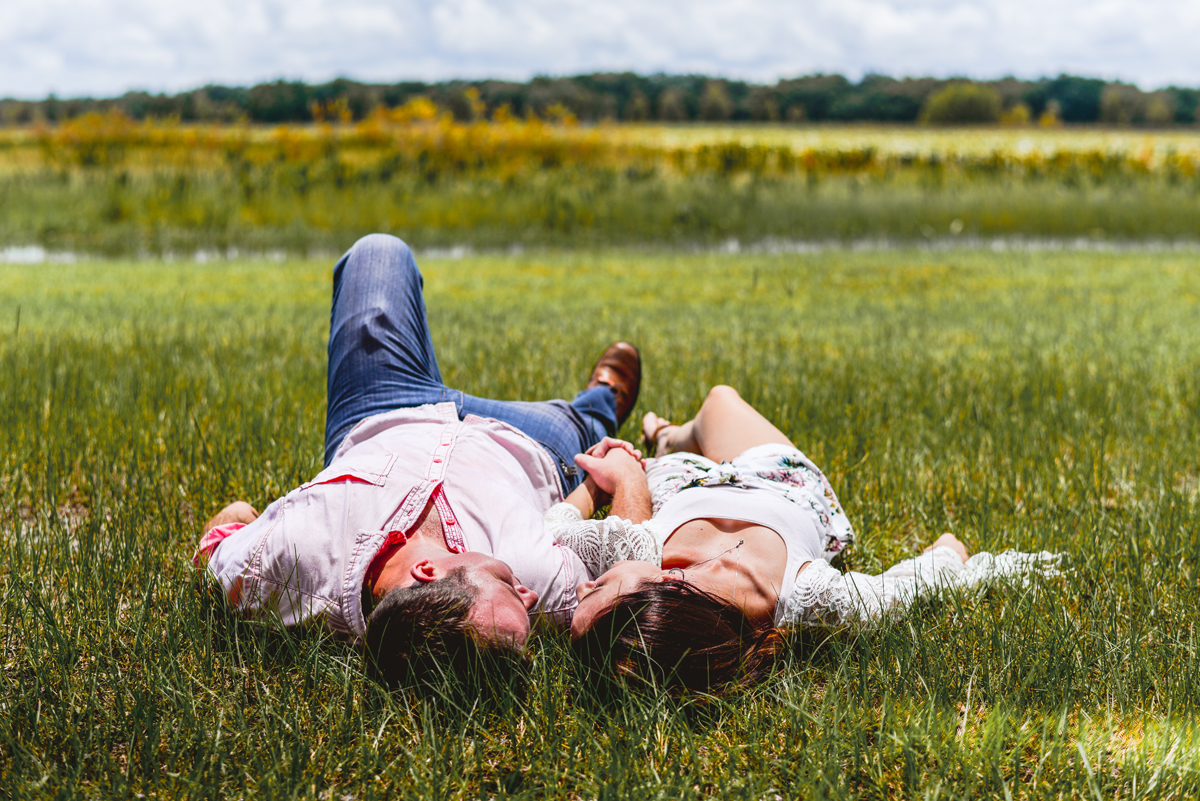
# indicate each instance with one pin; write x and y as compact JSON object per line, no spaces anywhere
{"x":601,"y":448}
{"x":621,"y":474}
{"x":948,"y":540}
{"x":620,"y":462}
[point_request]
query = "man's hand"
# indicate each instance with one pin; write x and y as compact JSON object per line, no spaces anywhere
{"x":236,"y":512}
{"x":950,"y":541}
{"x":621,"y":474}
{"x":617,"y":463}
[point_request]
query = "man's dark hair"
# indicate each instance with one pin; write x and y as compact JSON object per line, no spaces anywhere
{"x":420,"y":634}
{"x":674,"y":634}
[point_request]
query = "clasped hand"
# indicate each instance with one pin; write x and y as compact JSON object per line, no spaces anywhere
{"x":612,"y":461}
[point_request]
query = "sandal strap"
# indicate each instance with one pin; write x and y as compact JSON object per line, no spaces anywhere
{"x":650,"y":441}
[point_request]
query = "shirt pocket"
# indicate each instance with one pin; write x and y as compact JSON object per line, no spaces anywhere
{"x":367,"y":469}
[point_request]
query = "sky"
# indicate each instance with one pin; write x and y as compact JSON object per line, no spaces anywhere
{"x":103,"y":48}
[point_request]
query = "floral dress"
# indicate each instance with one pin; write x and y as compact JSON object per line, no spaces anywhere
{"x":778,"y":469}
{"x":818,"y":595}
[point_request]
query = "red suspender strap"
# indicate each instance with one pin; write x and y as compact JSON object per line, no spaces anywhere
{"x":450,"y":527}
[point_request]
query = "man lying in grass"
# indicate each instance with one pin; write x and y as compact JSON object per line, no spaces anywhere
{"x":730,"y":541}
{"x":424,"y":533}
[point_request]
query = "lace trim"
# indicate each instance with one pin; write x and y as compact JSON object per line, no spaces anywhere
{"x":824,"y":597}
{"x":601,"y":543}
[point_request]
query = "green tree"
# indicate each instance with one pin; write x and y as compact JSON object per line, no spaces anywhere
{"x":281,"y":101}
{"x":638,"y":107}
{"x":465,"y":104}
{"x":1185,"y":102}
{"x":671,"y":107}
{"x":762,"y":104}
{"x":879,"y":97}
{"x":962,"y":104}
{"x":1018,"y":116}
{"x":715,"y":105}
{"x":1160,"y":110}
{"x":813,"y":96}
{"x":1078,"y":98}
{"x":1122,"y":104}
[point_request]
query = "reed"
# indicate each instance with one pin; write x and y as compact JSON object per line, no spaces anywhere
{"x":109,"y":185}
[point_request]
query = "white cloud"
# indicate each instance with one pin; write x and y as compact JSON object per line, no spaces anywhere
{"x":104,"y":47}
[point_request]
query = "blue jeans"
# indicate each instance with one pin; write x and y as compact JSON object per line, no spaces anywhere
{"x":381,"y":358}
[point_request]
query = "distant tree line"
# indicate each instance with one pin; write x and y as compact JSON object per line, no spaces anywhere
{"x":660,"y":98}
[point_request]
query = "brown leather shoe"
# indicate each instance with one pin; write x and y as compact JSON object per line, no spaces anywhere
{"x":619,"y":367}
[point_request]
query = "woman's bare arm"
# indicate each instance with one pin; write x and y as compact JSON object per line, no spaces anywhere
{"x":587,"y":497}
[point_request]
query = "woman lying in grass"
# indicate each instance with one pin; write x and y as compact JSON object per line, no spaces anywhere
{"x":724,"y":539}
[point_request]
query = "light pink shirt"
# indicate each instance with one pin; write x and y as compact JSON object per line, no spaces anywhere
{"x":308,"y":553}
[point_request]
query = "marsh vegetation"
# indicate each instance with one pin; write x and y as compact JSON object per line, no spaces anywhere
{"x":108,"y":185}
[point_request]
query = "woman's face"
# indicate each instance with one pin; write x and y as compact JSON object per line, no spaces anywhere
{"x":597,"y":596}
{"x":725,"y":577}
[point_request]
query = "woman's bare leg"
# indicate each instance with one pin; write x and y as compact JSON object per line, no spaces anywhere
{"x":724,"y":427}
{"x":662,"y":436}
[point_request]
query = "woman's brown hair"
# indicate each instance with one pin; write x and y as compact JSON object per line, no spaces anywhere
{"x":675,"y":634}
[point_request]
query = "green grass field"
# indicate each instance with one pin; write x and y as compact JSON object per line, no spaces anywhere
{"x":1033,"y":400}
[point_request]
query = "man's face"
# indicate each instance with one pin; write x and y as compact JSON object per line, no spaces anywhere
{"x":502,"y":605}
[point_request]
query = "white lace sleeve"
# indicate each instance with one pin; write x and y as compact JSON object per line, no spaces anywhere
{"x":601,"y":543}
{"x":824,"y":596}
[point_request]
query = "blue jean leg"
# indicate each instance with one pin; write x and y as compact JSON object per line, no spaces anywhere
{"x":380,"y":353}
{"x":381,"y":358}
{"x":563,"y":429}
